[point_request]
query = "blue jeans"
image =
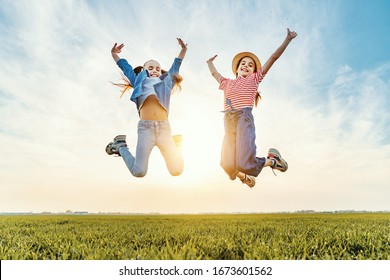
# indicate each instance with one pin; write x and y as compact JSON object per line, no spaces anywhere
{"x":239,"y":148}
{"x":150,"y":134}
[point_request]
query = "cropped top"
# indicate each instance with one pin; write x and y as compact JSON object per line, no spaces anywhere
{"x":147,"y":90}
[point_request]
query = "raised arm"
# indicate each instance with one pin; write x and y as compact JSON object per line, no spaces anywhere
{"x":126,"y":68}
{"x":279,"y":51}
{"x":183,"y":48}
{"x":115,"y":50}
{"x":212,"y":69}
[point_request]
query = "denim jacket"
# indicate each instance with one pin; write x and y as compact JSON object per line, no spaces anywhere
{"x":163,"y":89}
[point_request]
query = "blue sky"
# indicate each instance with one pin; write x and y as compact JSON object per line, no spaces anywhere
{"x":365,"y":29}
{"x":325,"y":104}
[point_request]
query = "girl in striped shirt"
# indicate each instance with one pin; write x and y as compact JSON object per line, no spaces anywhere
{"x":238,"y":157}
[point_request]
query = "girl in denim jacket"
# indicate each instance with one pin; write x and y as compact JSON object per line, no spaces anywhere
{"x":152,"y":89}
{"x":238,"y":157}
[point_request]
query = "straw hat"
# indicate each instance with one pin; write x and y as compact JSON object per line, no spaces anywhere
{"x":240,"y":56}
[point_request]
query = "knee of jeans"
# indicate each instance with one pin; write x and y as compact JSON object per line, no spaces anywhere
{"x":177,"y":171}
{"x":138,"y":173}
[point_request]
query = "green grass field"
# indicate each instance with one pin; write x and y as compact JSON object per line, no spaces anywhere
{"x":356,"y":236}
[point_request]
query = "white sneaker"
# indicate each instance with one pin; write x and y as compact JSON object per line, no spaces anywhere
{"x":113,"y":147}
{"x":278,"y":162}
{"x":249,"y":180}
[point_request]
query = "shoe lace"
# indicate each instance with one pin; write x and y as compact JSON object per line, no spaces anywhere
{"x":273,"y":165}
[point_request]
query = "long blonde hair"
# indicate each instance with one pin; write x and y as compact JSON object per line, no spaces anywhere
{"x":126,"y":85}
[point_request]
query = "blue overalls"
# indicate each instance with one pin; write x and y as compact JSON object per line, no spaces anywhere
{"x":239,"y":148}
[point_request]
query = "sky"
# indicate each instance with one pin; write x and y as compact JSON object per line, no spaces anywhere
{"x":325,"y":104}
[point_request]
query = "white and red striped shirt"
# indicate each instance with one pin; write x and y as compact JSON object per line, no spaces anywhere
{"x":242,"y":91}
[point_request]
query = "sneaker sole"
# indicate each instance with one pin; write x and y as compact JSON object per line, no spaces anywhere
{"x":120,"y":138}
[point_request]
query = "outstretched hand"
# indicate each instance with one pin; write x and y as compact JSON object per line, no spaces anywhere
{"x":183,"y":48}
{"x":211,"y":59}
{"x":291,"y":34}
{"x":212,"y":68}
{"x":117,"y":49}
{"x":181,"y":43}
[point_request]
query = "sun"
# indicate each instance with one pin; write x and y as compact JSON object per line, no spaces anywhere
{"x":201,"y":155}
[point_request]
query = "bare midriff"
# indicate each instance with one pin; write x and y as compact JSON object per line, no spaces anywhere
{"x":152,"y":110}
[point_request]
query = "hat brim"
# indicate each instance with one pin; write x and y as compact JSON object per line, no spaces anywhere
{"x":241,"y":55}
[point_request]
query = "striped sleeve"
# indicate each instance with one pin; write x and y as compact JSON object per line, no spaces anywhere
{"x":223,"y":83}
{"x":258,"y":76}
